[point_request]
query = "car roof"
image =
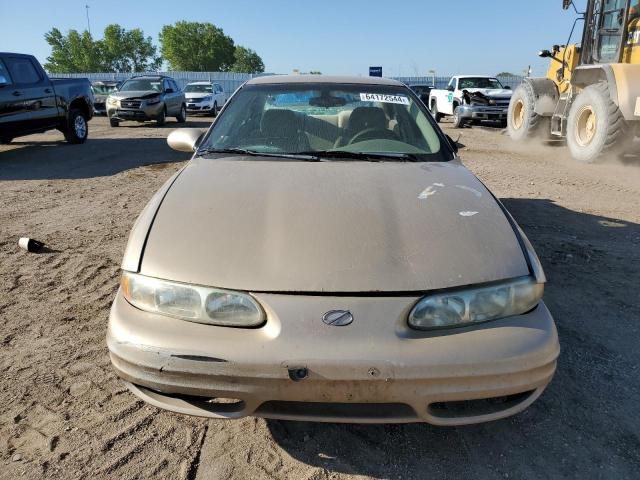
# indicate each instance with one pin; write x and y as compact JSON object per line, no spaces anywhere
{"x":151,"y":77}
{"x":200,"y":82}
{"x":280,"y":79}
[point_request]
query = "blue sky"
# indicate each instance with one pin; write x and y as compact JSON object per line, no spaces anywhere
{"x":333,"y":36}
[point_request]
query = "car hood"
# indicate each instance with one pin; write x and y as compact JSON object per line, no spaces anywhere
{"x":197,"y":94}
{"x":135,"y":94}
{"x":492,"y":92}
{"x":290,"y":226}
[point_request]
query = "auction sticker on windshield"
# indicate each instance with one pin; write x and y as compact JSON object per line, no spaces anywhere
{"x":384,"y":98}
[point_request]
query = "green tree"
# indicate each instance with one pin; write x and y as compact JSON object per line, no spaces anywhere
{"x":119,"y":51}
{"x":128,"y":50}
{"x":74,"y":52}
{"x":506,"y":74}
{"x":246,"y":61}
{"x":197,"y":47}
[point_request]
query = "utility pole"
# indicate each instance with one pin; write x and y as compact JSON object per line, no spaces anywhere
{"x":88,"y":24}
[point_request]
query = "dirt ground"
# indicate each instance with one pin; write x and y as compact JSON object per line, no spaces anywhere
{"x":64,"y":414}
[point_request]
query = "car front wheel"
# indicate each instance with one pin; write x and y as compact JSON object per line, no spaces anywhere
{"x":162,"y":117}
{"x":182,"y":116}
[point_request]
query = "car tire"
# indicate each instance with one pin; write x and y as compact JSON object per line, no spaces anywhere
{"x":596,"y":126}
{"x":522,"y":120}
{"x":458,"y":122}
{"x":77,"y":129}
{"x":182,"y":116}
{"x":114,"y":123}
{"x":162,"y":117}
{"x":215,"y":109}
{"x":434,"y":111}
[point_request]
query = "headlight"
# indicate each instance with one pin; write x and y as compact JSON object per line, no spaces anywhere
{"x":112,"y":101}
{"x":190,"y":302}
{"x":466,"y":307}
{"x":153,"y":101}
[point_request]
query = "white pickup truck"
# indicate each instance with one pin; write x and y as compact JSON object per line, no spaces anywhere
{"x":471,"y":98}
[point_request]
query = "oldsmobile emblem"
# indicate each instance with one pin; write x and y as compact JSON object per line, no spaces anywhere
{"x":337,"y":318}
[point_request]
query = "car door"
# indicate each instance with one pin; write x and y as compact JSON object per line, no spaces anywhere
{"x":219,"y":95}
{"x":13,"y":111}
{"x":174,"y":96}
{"x":34,"y":89}
{"x":180,"y":98}
{"x":448,"y":100}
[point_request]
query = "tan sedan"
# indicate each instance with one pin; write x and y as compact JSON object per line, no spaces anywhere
{"x":326,"y":256}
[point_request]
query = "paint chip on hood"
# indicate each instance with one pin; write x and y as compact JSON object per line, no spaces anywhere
{"x":468,"y":214}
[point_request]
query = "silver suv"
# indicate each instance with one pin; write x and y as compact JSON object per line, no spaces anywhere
{"x":147,"y":97}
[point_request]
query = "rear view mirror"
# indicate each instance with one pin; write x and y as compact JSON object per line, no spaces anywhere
{"x":185,"y":139}
{"x":327,"y":101}
{"x":3,"y":81}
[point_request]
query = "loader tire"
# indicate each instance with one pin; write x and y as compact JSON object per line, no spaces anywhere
{"x":522,"y":120}
{"x":595,"y":125}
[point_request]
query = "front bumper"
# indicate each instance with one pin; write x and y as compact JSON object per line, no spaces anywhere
{"x":376,"y":370}
{"x":144,"y":112}
{"x":199,"y":106}
{"x":480,"y":112}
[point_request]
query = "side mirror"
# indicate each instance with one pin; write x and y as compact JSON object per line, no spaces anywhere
{"x":185,"y":139}
{"x":169,"y":90}
{"x":507,"y":87}
{"x":451,"y":88}
{"x":544,"y":53}
{"x":3,"y":81}
{"x":455,"y":145}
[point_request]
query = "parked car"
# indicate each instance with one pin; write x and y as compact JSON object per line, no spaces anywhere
{"x":423,"y":92}
{"x":147,"y":97}
{"x":326,"y":256}
{"x":31,"y":102}
{"x":471,"y":99}
{"x":101,"y":90}
{"x":204,"y":97}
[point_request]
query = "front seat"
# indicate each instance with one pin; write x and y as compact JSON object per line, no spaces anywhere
{"x":284,"y":129}
{"x":361,"y":119}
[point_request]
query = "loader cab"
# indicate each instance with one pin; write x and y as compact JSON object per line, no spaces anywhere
{"x":612,"y":32}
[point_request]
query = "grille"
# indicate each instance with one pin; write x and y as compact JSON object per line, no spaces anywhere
{"x":130,"y":103}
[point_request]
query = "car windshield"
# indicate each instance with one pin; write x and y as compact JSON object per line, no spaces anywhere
{"x":327,"y":119}
{"x":141,"y":85}
{"x":103,"y":89}
{"x":479,"y":82}
{"x":197,"y":88}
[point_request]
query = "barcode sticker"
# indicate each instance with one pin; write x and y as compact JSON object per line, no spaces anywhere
{"x":384,"y":98}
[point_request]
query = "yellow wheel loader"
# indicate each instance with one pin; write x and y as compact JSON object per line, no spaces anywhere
{"x":591,"y":94}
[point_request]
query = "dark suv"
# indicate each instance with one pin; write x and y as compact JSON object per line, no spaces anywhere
{"x":147,"y":97}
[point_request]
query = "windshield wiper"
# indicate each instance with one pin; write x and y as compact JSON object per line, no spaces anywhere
{"x":368,"y":156}
{"x":243,"y":151}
